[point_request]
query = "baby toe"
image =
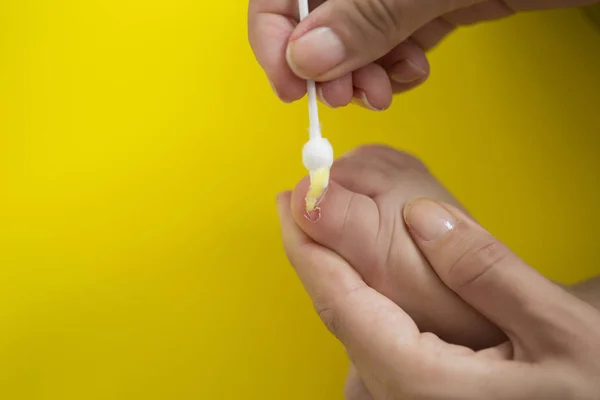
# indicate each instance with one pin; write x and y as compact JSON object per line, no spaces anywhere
{"x":348,"y":223}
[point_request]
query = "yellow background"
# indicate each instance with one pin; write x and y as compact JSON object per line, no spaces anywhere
{"x":140,"y":153}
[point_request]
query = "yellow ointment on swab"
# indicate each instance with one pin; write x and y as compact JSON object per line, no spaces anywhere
{"x":319,"y":180}
{"x":317,"y":154}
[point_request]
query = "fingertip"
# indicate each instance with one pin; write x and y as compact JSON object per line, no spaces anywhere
{"x":288,"y":88}
{"x":276,"y":92}
{"x":453,"y":212}
{"x":407,"y":66}
{"x":316,"y":53}
{"x":408,"y":71}
{"x":268,"y":35}
{"x":336,"y":93}
{"x":298,"y":204}
{"x":372,"y":88}
{"x":405,"y":87}
{"x":410,"y":205}
{"x":428,"y":220}
{"x":283,"y":198}
{"x":408,"y":74}
{"x":361,"y":99}
{"x":331,"y":204}
{"x":322,"y":97}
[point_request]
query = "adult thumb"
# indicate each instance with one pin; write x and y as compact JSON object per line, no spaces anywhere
{"x":341,"y":36}
{"x":491,"y":278}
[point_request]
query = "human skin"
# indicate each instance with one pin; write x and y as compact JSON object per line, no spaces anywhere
{"x":363,"y":51}
{"x":362,"y":222}
{"x":553,"y":338}
{"x":384,"y":44}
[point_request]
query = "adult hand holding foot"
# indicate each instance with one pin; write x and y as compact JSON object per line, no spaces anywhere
{"x":361,"y":266}
{"x":364,"y":50}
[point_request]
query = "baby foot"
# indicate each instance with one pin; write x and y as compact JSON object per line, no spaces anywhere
{"x":361,"y":220}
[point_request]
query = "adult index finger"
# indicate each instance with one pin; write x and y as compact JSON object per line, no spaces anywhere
{"x":270,"y":24}
{"x":374,"y":330}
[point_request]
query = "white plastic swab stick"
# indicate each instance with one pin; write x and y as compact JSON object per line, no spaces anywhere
{"x":303,"y":6}
{"x":313,"y":110}
{"x":311,"y":87}
{"x":317,"y":154}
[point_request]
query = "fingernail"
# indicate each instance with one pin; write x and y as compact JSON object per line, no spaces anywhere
{"x":315,"y":53}
{"x":322,"y":97}
{"x":360,"y":99}
{"x":406,"y":71}
{"x":428,"y":219}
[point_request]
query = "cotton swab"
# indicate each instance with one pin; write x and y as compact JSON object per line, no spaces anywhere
{"x":317,"y":154}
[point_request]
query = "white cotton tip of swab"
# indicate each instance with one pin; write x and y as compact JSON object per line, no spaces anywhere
{"x":317,"y":153}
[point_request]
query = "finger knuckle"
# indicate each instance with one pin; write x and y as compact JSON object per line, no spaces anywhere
{"x":330,"y":318}
{"x":429,"y":337}
{"x":294,"y":253}
{"x":332,"y":309}
{"x":364,"y":172}
{"x":378,"y":17}
{"x":394,"y":157}
{"x":479,"y":259}
{"x":352,"y":390}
